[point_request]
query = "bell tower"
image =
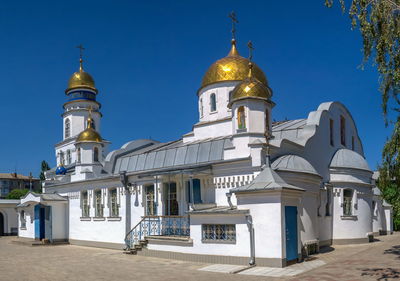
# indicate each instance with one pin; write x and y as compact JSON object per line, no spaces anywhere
{"x":81,"y":96}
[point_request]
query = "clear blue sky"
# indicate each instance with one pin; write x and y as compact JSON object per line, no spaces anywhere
{"x":148,"y":59}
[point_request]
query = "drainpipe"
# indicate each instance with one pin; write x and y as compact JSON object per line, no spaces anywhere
{"x":228,"y":197}
{"x":249,"y":220}
{"x":124,"y":180}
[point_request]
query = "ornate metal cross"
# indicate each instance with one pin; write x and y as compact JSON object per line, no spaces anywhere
{"x":81,"y":48}
{"x":234,"y":20}
{"x":251,"y":49}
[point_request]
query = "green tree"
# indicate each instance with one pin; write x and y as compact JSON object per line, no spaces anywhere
{"x":391,"y":193}
{"x":379,"y":25}
{"x":44,"y":167}
{"x":17,"y":193}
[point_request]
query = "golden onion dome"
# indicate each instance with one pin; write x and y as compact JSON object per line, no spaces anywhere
{"x":251,"y":87}
{"x":81,"y":79}
{"x":232,"y":68}
{"x":89,"y":134}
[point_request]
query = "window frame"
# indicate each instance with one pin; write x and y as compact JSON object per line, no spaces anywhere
{"x":98,"y":204}
{"x":113,"y":200}
{"x":209,"y":233}
{"x":22,"y":215}
{"x":342,"y":130}
{"x":67,"y":128}
{"x":85,"y":204}
{"x":213,"y":102}
{"x":241,"y":110}
{"x":150,"y":201}
{"x":95,"y":154}
{"x":348,"y":204}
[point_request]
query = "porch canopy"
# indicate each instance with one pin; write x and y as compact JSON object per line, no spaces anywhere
{"x":33,"y":198}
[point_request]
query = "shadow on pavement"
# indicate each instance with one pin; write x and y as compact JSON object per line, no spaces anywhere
{"x":326,"y":249}
{"x":395,"y":250}
{"x":381,"y":273}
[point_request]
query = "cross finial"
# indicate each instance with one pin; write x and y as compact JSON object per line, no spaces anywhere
{"x":234,"y":20}
{"x":81,"y":48}
{"x":251,"y":49}
{"x":268,"y":137}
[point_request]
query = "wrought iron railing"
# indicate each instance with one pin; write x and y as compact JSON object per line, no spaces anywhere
{"x":157,"y":226}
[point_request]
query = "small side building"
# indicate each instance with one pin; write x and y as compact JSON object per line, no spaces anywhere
{"x":8,"y":217}
{"x":43,"y":216}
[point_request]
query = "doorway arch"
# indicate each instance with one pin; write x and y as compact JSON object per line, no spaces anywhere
{"x":1,"y":224}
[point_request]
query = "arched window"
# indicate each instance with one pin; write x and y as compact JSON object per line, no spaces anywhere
{"x":62,"y":160}
{"x":78,"y":155}
{"x":95,"y":154}
{"x":67,"y":129}
{"x":267,"y":129}
{"x":343,"y":130}
{"x":347,"y":202}
{"x":69,"y":160}
{"x":241,"y":118}
{"x":201,"y":108}
{"x":22,"y":219}
{"x":213,"y":102}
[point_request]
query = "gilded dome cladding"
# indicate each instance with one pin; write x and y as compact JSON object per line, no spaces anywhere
{"x":81,"y":79}
{"x":251,"y":88}
{"x":231,"y":68}
{"x":89,"y":135}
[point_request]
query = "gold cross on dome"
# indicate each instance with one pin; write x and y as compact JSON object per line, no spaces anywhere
{"x":251,"y":49}
{"x":234,"y":20}
{"x":81,"y":48}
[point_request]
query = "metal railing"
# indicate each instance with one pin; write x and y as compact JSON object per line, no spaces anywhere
{"x":157,"y":226}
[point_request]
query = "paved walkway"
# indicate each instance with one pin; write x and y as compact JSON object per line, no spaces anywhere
{"x":373,"y":261}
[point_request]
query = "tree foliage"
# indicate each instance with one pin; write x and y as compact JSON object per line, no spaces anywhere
{"x":391,"y":193}
{"x":17,"y":193}
{"x":44,"y":167}
{"x":379,"y":25}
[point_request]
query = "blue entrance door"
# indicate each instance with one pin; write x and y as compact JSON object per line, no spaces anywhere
{"x":291,"y":232}
{"x":42,"y":218}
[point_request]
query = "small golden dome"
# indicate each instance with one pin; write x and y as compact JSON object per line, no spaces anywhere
{"x":89,"y":134}
{"x":81,"y":79}
{"x":232,"y":68}
{"x":251,"y":87}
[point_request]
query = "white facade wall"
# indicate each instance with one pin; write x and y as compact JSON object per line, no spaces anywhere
{"x":29,"y":230}
{"x":240,"y":249}
{"x":105,"y":229}
{"x":378,"y":216}
{"x":360,"y":223}
{"x":268,"y":218}
{"x":59,"y":220}
{"x":10,"y":217}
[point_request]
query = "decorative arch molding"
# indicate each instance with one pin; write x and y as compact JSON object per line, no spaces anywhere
{"x":5,"y":221}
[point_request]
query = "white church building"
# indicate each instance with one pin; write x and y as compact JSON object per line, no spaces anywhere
{"x":237,"y":189}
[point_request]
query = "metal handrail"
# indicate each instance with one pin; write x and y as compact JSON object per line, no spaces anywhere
{"x":157,"y":226}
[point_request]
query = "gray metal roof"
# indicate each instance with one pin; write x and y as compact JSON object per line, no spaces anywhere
{"x":293,"y":163}
{"x":346,"y":158}
{"x":174,"y":155}
{"x":289,"y":129}
{"x":266,"y":180}
{"x":376,"y":191}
